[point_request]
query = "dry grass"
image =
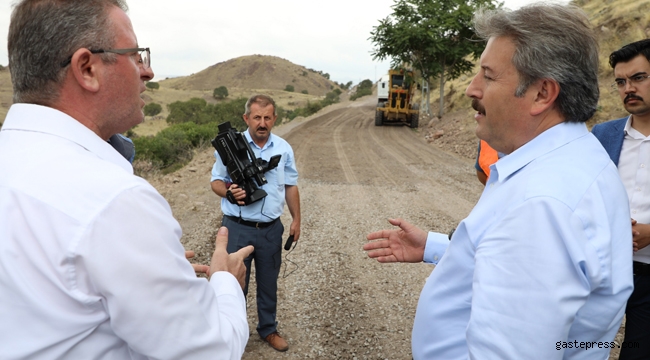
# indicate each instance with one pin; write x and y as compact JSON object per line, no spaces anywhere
{"x":167,"y":95}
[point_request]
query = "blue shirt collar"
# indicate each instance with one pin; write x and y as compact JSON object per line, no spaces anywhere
{"x":268,"y":144}
{"x":551,"y":139}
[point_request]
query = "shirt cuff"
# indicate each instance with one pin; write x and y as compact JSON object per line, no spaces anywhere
{"x":435,"y":247}
{"x":225,"y":283}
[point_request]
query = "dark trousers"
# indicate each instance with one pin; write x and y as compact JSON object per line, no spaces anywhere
{"x":637,"y":321}
{"x":268,"y":258}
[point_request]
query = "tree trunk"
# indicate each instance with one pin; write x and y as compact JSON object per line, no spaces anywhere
{"x":442,"y":92}
{"x":424,"y":102}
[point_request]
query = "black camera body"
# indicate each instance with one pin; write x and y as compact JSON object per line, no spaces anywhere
{"x":244,"y":168}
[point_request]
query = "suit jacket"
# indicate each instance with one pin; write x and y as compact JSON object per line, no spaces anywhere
{"x":611,"y":135}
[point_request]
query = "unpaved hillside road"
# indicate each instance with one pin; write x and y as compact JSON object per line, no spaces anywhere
{"x":338,"y":303}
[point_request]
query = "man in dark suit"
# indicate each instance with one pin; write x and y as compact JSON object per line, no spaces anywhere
{"x":627,"y":140}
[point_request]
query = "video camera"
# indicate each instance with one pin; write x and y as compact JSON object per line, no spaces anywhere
{"x":244,"y":168}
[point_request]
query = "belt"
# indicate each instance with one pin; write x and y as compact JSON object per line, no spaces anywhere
{"x":258,"y":225}
{"x":640,"y":268}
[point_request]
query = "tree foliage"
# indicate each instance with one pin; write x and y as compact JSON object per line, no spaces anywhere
{"x":364,"y":88}
{"x":289,"y":88}
{"x":220,"y":93}
{"x":436,"y":37}
{"x":152,"y":109}
{"x":152,"y":85}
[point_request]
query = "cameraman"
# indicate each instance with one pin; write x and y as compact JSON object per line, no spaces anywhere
{"x":259,"y":223}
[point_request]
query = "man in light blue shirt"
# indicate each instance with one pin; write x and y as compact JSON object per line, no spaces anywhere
{"x":258,"y":223}
{"x":542,"y":266}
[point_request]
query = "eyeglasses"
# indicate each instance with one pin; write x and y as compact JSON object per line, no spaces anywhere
{"x":637,"y":79}
{"x":144,"y":56}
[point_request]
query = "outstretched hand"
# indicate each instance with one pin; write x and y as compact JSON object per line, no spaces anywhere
{"x":405,"y":244}
{"x":232,"y":263}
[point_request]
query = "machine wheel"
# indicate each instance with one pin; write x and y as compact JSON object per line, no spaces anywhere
{"x":379,"y":118}
{"x":415,"y":117}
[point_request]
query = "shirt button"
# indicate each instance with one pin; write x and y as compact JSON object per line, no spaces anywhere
{"x":633,"y":211}
{"x":642,"y":166}
{"x":435,"y":258}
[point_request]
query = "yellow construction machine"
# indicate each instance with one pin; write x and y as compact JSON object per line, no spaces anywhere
{"x":395,"y":103}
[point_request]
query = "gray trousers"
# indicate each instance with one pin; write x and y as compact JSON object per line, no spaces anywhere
{"x":268,"y":258}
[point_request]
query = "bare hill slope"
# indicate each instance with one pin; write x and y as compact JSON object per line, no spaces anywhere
{"x":254,"y":72}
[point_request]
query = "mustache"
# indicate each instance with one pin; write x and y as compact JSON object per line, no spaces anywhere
{"x":477,"y":106}
{"x":631,"y":97}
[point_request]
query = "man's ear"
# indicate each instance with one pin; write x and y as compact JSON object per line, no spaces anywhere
{"x":547,"y":92}
{"x":85,"y":69}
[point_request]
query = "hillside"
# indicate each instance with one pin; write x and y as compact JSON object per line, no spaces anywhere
{"x":255,"y":72}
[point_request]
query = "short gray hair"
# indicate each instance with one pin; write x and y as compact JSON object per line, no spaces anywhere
{"x":551,"y":42}
{"x":43,"y":34}
{"x":260,"y":99}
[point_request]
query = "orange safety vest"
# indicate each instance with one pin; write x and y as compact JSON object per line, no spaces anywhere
{"x":486,"y":157}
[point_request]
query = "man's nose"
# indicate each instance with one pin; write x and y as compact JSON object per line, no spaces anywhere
{"x":472,"y":89}
{"x":146,"y":74}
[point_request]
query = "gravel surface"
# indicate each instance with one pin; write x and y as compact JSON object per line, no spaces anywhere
{"x":333,"y":301}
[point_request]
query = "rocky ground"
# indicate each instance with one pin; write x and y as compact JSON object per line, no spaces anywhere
{"x":335,"y":302}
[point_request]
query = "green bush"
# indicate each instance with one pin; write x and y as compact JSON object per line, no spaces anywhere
{"x":365,"y":84}
{"x":364,"y":88}
{"x":152,"y":109}
{"x":151,"y":85}
{"x":360,"y":92}
{"x":289,"y":88}
{"x":220,"y":93}
{"x":182,"y":111}
{"x":168,"y":147}
{"x":305,"y":92}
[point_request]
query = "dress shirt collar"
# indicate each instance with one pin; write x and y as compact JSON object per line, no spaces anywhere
{"x":268,"y":144}
{"x":46,"y":120}
{"x":632,"y":133}
{"x":551,"y":139}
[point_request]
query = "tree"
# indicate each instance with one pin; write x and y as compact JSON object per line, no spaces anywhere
{"x":220,"y":93}
{"x":289,"y":88}
{"x":436,"y":37}
{"x":152,"y":109}
{"x":152,"y":85}
{"x":363,"y":89}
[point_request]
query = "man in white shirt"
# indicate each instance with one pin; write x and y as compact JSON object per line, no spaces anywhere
{"x":91,"y":266}
{"x":627,"y":141}
{"x":542,"y":266}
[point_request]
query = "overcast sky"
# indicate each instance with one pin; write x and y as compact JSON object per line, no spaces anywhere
{"x":188,"y":36}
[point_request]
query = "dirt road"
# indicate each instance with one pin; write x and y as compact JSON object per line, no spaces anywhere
{"x":335,"y":302}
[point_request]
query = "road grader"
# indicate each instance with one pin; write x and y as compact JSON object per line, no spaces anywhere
{"x":395,"y":103}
